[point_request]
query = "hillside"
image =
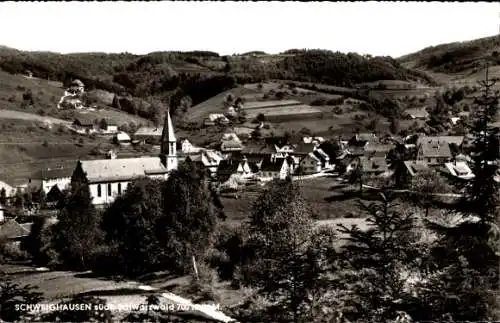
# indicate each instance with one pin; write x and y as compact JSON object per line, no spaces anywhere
{"x":170,"y":76}
{"x":459,"y":62}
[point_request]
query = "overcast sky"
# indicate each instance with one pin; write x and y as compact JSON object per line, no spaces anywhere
{"x":377,"y":28}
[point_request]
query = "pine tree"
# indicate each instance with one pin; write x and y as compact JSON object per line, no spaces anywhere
{"x":376,"y":261}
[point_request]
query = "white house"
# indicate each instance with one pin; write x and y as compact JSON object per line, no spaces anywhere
{"x":283,"y":151}
{"x":188,"y":148}
{"x":108,"y":178}
{"x":50,"y":177}
{"x":309,"y":164}
{"x":272,"y":168}
{"x":122,"y":138}
{"x":459,"y":169}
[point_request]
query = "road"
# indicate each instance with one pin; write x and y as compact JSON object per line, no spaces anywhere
{"x":11,"y":114}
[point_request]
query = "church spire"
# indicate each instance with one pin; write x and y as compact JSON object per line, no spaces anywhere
{"x":168,"y":152}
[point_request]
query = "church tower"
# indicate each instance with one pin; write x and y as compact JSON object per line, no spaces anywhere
{"x":168,"y":154}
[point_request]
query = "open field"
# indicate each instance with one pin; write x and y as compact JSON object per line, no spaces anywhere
{"x":19,"y":115}
{"x":118,"y":117}
{"x":269,"y":104}
{"x":284,"y":113}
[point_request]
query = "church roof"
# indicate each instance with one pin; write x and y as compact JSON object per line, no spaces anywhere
{"x":168,"y":128}
{"x":103,"y":170}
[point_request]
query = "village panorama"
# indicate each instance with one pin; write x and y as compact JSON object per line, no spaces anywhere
{"x":304,"y":186}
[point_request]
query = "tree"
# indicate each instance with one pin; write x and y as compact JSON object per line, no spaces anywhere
{"x":130,"y":224}
{"x":375,"y":262}
{"x":397,"y":157}
{"x":12,"y":294}
{"x":3,"y":196}
{"x":78,"y":233}
{"x":191,"y":213}
{"x":256,"y":134}
{"x":426,"y":185}
{"x":280,"y":259}
{"x":466,"y":253}
{"x":394,"y":126}
{"x":103,"y":124}
{"x":261,"y":117}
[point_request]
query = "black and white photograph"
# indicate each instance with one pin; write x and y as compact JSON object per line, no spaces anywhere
{"x":249,"y":162}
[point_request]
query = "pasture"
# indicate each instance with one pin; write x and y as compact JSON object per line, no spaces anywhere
{"x":284,"y":113}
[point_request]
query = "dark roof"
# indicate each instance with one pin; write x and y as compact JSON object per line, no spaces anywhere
{"x":84,"y":120}
{"x":415,"y":167}
{"x":254,"y":167}
{"x":434,"y":148}
{"x":303,"y":148}
{"x":13,"y":230}
{"x":227,"y":167}
{"x":52,"y":173}
{"x":272,"y":165}
{"x":258,"y":149}
{"x":374,"y":164}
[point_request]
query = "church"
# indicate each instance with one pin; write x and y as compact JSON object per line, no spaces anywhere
{"x":108,"y":178}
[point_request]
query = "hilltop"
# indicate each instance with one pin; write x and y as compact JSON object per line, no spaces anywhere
{"x":458,"y":62}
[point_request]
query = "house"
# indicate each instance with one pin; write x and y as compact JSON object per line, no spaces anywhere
{"x":433,"y":150}
{"x":283,"y":150}
{"x":216,"y":118}
{"x":84,"y":124}
{"x":377,"y":150}
{"x":3,"y":211}
{"x":414,"y":167}
{"x":13,"y":232}
{"x":58,"y":176}
{"x":275,"y":168}
{"x":9,"y":190}
{"x":323,"y":157}
{"x":122,"y":138}
{"x":362,"y":139}
{"x":109,"y":128}
{"x":108,"y":178}
{"x":459,"y":169}
{"x":208,"y":159}
{"x":149,"y":135}
{"x":188,"y":148}
{"x":309,"y":164}
{"x":373,"y":166}
{"x":230,"y":167}
{"x":417,"y":113}
{"x":76,"y":87}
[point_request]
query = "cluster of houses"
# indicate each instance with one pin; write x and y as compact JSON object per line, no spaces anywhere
{"x":238,"y":161}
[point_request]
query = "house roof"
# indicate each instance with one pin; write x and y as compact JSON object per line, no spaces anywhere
{"x":417,"y":112}
{"x":149,"y":131}
{"x":373,"y":164}
{"x":102,"y":170}
{"x":258,"y":149}
{"x":272,"y":165}
{"x":459,"y":169}
{"x":457,"y":140}
{"x":435,"y":146}
{"x":10,"y":229}
{"x":76,"y":82}
{"x":231,"y":145}
{"x":7,"y":186}
{"x":415,"y":166}
{"x":53,"y":173}
{"x":84,"y":120}
{"x":122,"y":136}
{"x":304,"y":148}
{"x":378,"y":148}
{"x":366,"y":136}
{"x":313,"y":156}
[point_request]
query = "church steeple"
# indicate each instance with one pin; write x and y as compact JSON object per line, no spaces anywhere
{"x":168,"y":144}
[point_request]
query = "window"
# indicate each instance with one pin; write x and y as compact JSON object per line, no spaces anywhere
{"x":99,"y":190}
{"x":428,"y":160}
{"x":119,"y":188}
{"x":109,"y":189}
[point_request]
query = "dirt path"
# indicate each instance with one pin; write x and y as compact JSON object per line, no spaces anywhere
{"x":11,"y":114}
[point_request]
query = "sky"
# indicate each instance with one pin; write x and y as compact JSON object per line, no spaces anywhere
{"x":376,"y":28}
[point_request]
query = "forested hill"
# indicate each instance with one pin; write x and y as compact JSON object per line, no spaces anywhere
{"x":458,"y":57}
{"x":170,"y":76}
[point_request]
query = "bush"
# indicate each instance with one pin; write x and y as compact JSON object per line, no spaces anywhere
{"x":41,"y":112}
{"x":45,"y":143}
{"x":337,"y":110}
